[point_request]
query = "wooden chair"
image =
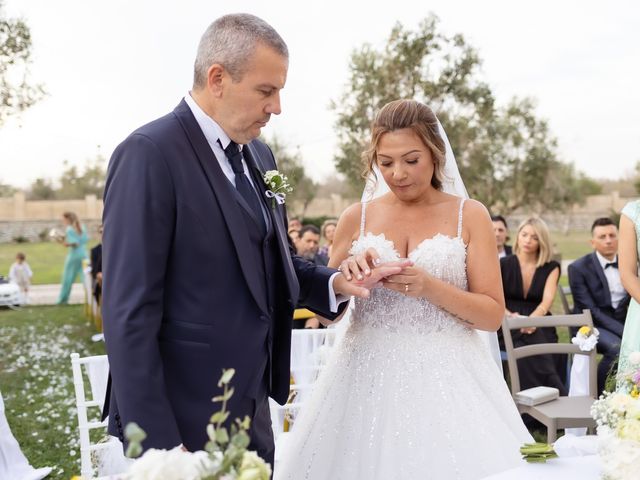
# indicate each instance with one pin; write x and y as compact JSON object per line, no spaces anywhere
{"x":563,"y":412}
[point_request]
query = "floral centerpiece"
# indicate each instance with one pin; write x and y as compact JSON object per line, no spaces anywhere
{"x":618,"y":418}
{"x":225,"y":456}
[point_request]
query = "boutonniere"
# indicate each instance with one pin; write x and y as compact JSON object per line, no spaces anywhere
{"x":277,"y":187}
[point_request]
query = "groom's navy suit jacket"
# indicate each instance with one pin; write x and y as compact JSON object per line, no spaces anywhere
{"x":590,"y":290}
{"x":191,"y":286}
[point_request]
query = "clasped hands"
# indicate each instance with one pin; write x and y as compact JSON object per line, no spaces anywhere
{"x":362,"y":272}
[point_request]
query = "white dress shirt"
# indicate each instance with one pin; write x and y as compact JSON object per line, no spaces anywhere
{"x":214,"y":133}
{"x":613,"y":279}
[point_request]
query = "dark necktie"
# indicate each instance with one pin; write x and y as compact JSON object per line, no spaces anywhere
{"x":611,"y":264}
{"x":243,"y":185}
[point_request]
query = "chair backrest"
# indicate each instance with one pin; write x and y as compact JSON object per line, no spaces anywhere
{"x":98,"y":458}
{"x":564,"y":293}
{"x":513,"y":354}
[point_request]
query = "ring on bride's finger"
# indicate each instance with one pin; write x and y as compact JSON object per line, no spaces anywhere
{"x":406,"y":288}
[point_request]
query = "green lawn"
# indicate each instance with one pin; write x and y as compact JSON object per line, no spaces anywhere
{"x":46,"y":259}
{"x":37,"y":385}
{"x":571,"y":245}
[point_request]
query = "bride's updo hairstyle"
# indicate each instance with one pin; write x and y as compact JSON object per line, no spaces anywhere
{"x":418,"y":117}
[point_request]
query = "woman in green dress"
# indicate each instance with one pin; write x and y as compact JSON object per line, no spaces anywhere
{"x":628,"y":248}
{"x":75,"y":240}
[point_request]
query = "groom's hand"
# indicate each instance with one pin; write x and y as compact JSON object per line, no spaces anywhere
{"x":361,"y":288}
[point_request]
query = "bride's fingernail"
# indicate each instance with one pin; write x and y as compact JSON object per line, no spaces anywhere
{"x":377,"y":261}
{"x":367,"y":271}
{"x":359,"y":277}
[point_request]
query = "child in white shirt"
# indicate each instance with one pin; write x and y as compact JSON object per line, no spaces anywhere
{"x":20,"y":273}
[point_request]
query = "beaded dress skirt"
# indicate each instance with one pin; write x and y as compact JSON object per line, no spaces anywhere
{"x":409,"y":392}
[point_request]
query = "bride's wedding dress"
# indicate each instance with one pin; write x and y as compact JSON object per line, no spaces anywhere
{"x":410,"y":392}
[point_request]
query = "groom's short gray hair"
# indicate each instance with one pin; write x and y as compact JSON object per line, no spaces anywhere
{"x":230,"y":41}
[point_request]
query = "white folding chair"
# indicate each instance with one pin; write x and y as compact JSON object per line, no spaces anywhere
{"x":309,"y":353}
{"x":96,"y":459}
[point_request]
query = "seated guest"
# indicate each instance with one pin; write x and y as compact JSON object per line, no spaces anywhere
{"x":96,"y":268}
{"x":307,"y":247}
{"x":596,"y":286}
{"x":501,"y":231}
{"x":294,"y":238}
{"x":294,"y":224}
{"x":309,"y":243}
{"x":530,"y":279}
{"x":328,"y":230}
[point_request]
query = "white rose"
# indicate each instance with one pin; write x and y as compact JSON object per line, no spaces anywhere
{"x":175,"y":464}
{"x":253,"y":467}
{"x":634,"y":358}
{"x":620,"y":401}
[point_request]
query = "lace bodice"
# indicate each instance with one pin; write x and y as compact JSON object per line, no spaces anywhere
{"x":442,"y":256}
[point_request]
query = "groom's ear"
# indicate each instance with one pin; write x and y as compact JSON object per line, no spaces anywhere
{"x":215,"y":78}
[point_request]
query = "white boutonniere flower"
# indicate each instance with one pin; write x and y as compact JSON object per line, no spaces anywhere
{"x":277,"y":187}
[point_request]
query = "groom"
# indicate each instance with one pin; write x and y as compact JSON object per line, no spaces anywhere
{"x":198,"y":273}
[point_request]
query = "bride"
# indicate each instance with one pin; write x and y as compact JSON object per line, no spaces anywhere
{"x":412,"y":391}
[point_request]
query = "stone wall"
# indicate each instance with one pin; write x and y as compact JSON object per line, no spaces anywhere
{"x":38,"y":230}
{"x":18,"y":208}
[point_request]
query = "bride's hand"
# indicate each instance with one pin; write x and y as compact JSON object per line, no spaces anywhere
{"x":360,"y":266}
{"x":411,"y":281}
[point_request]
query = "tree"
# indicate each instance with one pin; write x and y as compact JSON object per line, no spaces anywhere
{"x":41,"y":189}
{"x":290,"y":164}
{"x":636,"y":183}
{"x":74,"y":184}
{"x":507,"y":156}
{"x":17,"y":94}
{"x":6,"y":190}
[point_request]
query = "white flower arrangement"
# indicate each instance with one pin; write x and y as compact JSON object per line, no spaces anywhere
{"x":278,"y":187}
{"x":225,"y":456}
{"x":586,"y":338}
{"x":618,"y":418}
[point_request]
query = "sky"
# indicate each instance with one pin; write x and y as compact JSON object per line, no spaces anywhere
{"x":111,"y":66}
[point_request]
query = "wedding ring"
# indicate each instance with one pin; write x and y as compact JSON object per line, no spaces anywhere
{"x":406,"y":288}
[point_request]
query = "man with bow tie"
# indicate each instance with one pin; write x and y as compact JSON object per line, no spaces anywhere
{"x":595,"y":285}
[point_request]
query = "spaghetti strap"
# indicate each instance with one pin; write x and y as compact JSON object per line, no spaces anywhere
{"x":364,"y":207}
{"x":459,"y":217}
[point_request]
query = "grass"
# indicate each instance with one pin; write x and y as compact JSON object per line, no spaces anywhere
{"x":571,"y":245}
{"x":37,"y":384}
{"x":46,"y":259}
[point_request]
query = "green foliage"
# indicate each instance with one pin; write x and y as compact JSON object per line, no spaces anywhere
{"x":42,"y":189}
{"x":290,"y":164}
{"x":73,"y":183}
{"x":636,"y":183}
{"x":6,"y":190}
{"x":15,"y":51}
{"x":506,"y":155}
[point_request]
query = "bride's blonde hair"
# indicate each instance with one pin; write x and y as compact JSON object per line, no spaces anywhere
{"x":418,"y":117}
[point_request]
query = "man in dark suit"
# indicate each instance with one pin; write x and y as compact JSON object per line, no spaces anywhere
{"x":309,"y":244}
{"x":198,"y":274}
{"x":501,"y":231}
{"x":595,"y":285}
{"x":96,"y":268}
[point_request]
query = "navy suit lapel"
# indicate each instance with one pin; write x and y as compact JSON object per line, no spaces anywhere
{"x":255,"y":163}
{"x":224,"y":192}
{"x":600,"y":274}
